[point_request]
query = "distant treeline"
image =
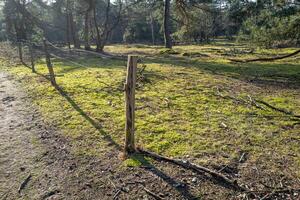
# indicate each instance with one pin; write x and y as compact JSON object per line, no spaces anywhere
{"x":268,"y":23}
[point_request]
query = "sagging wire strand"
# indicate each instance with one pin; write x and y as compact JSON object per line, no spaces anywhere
{"x":68,"y":51}
{"x":102,"y":55}
{"x":68,"y":60}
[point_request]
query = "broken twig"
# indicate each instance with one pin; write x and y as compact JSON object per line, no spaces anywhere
{"x":152,"y":194}
{"x":278,"y":109}
{"x":24,"y":183}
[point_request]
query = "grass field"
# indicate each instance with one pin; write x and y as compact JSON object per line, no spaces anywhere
{"x":191,"y":103}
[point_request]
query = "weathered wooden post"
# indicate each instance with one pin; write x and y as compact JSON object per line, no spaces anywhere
{"x":130,"y":104}
{"x":31,"y":57}
{"x":20,"y":49}
{"x":49,"y":64}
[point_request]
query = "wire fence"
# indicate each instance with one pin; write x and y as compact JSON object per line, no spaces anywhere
{"x":70,"y":55}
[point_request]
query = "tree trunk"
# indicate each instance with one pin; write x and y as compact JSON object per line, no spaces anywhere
{"x":152,"y":28}
{"x":98,"y":37}
{"x":68,"y":38}
{"x":86,"y":31}
{"x":168,"y":40}
{"x":68,"y":32}
{"x":102,"y":40}
{"x":74,"y":31}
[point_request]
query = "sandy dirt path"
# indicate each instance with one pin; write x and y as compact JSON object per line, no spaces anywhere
{"x":21,"y":152}
{"x":17,"y":153}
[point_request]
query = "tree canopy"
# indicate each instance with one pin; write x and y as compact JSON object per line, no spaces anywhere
{"x":263,"y":22}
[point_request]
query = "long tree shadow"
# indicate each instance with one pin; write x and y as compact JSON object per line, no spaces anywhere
{"x":182,"y":188}
{"x":283,"y":74}
{"x":96,"y":125}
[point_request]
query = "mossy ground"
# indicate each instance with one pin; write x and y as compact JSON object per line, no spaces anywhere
{"x":179,"y":112}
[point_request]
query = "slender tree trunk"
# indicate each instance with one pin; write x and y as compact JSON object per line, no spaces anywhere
{"x":19,"y":29}
{"x":167,"y":34}
{"x":74,"y":31}
{"x":23,"y":29}
{"x":152,"y":28}
{"x":68,"y":24}
{"x":105,"y":33}
{"x":98,"y":37}
{"x":68,"y":32}
{"x":86,"y":31}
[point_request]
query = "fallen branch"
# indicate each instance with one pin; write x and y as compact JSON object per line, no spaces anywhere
{"x":117,"y":194}
{"x":270,"y":193}
{"x":152,"y":194}
{"x":51,"y":193}
{"x":254,"y":102}
{"x":24,"y":183}
{"x":240,"y":100}
{"x":278,"y":109}
{"x":196,"y":168}
{"x":282,"y":191}
{"x":266,"y":59}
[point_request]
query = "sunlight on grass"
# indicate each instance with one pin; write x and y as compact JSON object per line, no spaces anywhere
{"x":178,"y":111}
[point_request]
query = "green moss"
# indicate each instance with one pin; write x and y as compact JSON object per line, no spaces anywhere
{"x":136,"y":160}
{"x":179,"y":112}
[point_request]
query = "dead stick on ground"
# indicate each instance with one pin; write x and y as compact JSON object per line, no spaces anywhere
{"x":266,"y":59}
{"x":196,"y":168}
{"x":276,"y":191}
{"x":117,"y":194}
{"x":277,"y":109}
{"x":255,"y":102}
{"x":240,"y":100}
{"x":152,"y":194}
{"x":24,"y":183}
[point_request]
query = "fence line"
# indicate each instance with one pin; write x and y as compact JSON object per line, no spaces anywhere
{"x":129,"y":88}
{"x":68,"y":60}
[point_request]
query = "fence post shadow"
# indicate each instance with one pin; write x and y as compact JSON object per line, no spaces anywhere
{"x":180,"y":187}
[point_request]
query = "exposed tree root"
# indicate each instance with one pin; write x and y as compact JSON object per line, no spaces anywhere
{"x":266,"y":59}
{"x":197,"y":168}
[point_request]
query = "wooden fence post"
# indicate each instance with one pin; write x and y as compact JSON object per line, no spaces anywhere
{"x":31,"y":57}
{"x":49,"y":64}
{"x":130,"y":104}
{"x":20,"y":51}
